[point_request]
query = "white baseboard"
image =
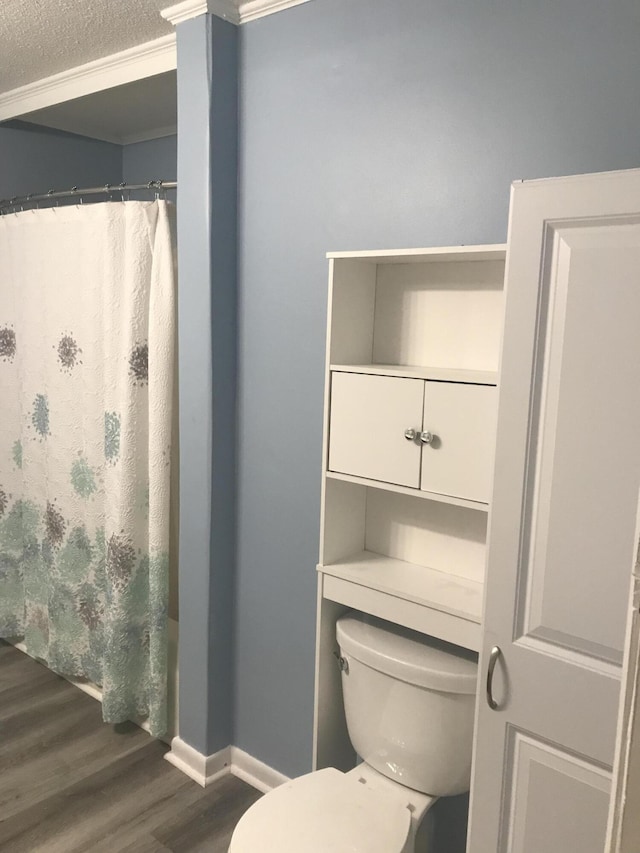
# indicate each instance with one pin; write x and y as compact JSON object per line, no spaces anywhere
{"x":256,"y":773}
{"x":205,"y":769}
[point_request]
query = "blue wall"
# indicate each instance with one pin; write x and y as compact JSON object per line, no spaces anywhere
{"x":36,"y":160}
{"x":379,"y":124}
{"x":155,"y":159}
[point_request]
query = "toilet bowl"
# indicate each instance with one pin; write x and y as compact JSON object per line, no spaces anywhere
{"x":409,"y":705}
{"x":332,"y":812}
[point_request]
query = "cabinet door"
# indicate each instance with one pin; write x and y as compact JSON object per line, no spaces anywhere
{"x":563,"y":517}
{"x":369,"y":417}
{"x":458,"y":460}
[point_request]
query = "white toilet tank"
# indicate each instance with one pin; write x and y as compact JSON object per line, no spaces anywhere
{"x":409,"y":703}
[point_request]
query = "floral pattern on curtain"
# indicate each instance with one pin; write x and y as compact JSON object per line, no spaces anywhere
{"x":87,"y":330}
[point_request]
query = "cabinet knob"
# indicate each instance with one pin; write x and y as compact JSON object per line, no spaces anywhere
{"x":426,"y":437}
{"x":410,"y":434}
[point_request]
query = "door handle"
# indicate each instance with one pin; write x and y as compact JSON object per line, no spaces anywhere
{"x":493,"y":660}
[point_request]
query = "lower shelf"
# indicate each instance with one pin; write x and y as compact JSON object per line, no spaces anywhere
{"x":433,"y":602}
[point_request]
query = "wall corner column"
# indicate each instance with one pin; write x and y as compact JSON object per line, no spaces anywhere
{"x":207,"y":304}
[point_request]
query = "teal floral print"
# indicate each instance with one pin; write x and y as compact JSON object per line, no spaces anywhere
{"x":111,"y":436}
{"x":82,"y":478}
{"x":40,"y":415}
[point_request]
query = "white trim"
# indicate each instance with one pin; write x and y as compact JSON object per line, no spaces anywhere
{"x":482,"y":252}
{"x":255,"y":772}
{"x":136,"y":63}
{"x":203,"y":769}
{"x":252,"y":9}
{"x":234,"y":11}
{"x":188,"y":9}
{"x":184,"y":11}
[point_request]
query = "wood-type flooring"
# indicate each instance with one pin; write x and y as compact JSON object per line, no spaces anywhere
{"x":70,"y":783}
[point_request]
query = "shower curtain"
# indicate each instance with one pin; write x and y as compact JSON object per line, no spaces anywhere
{"x":87,"y":328}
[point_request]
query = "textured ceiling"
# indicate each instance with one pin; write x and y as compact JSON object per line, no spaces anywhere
{"x":39,"y":38}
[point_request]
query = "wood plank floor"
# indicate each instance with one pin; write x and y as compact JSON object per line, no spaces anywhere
{"x":70,"y":783}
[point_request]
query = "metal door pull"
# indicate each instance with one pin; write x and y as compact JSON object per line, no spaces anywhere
{"x":493,"y":660}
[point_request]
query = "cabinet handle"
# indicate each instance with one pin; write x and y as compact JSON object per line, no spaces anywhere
{"x":493,"y":660}
{"x":426,"y":437}
{"x":410,"y":434}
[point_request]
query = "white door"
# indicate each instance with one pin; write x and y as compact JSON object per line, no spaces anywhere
{"x":461,"y":420}
{"x":369,"y":418}
{"x":563,"y":517}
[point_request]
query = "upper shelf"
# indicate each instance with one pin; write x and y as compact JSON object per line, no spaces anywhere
{"x":424,"y":310}
{"x":411,"y":371}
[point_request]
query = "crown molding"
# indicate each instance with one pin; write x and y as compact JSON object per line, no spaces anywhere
{"x":145,"y":60}
{"x":250,"y":10}
{"x":226,"y":9}
{"x":234,"y":11}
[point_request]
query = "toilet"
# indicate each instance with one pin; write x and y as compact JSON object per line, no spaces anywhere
{"x":409,"y":704}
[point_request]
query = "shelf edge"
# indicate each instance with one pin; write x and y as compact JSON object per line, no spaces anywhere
{"x":464,"y":503}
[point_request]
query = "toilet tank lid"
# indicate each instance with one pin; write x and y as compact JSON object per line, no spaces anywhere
{"x":407,"y":655}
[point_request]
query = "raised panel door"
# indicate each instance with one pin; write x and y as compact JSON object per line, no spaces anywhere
{"x":563,"y":521}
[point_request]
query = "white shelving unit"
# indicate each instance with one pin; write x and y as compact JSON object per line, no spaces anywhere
{"x":413,"y":344}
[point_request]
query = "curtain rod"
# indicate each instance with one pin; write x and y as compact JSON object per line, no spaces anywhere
{"x":107,"y":189}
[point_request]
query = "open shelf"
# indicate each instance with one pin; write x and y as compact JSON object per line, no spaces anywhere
{"x":431,"y":588}
{"x":438,"y":310}
{"x":437,"y":603}
{"x":405,"y":490}
{"x":410,"y":371}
